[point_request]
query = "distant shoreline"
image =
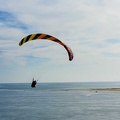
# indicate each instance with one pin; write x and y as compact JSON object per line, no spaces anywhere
{"x":89,"y":89}
{"x":102,"y":89}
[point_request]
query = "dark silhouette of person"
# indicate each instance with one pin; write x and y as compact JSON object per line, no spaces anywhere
{"x":34,"y":82}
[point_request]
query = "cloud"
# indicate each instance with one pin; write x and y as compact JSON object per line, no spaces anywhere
{"x":90,"y":28}
{"x":113,"y":41}
{"x":10,"y":20}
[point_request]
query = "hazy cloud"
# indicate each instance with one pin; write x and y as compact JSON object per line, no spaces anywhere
{"x":91,"y":28}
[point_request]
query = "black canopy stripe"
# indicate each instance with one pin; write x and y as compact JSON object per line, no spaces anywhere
{"x":21,"y":42}
{"x":69,"y":52}
{"x":27,"y":39}
{"x":56,"y":40}
{"x":36,"y":36}
{"x":46,"y":37}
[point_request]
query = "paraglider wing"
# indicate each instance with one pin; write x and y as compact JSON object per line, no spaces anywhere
{"x":48,"y":37}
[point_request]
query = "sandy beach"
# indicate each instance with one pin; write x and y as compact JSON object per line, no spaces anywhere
{"x":101,"y":89}
{"x":104,"y":89}
{"x":89,"y":89}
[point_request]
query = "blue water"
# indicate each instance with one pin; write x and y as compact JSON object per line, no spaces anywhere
{"x":21,"y":102}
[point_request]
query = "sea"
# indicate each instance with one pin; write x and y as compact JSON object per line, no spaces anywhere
{"x":56,"y":101}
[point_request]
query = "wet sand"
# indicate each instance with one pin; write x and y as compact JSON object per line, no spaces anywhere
{"x":105,"y":89}
{"x":89,"y":89}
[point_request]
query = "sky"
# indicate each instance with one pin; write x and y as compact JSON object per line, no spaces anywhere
{"x":91,"y":28}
